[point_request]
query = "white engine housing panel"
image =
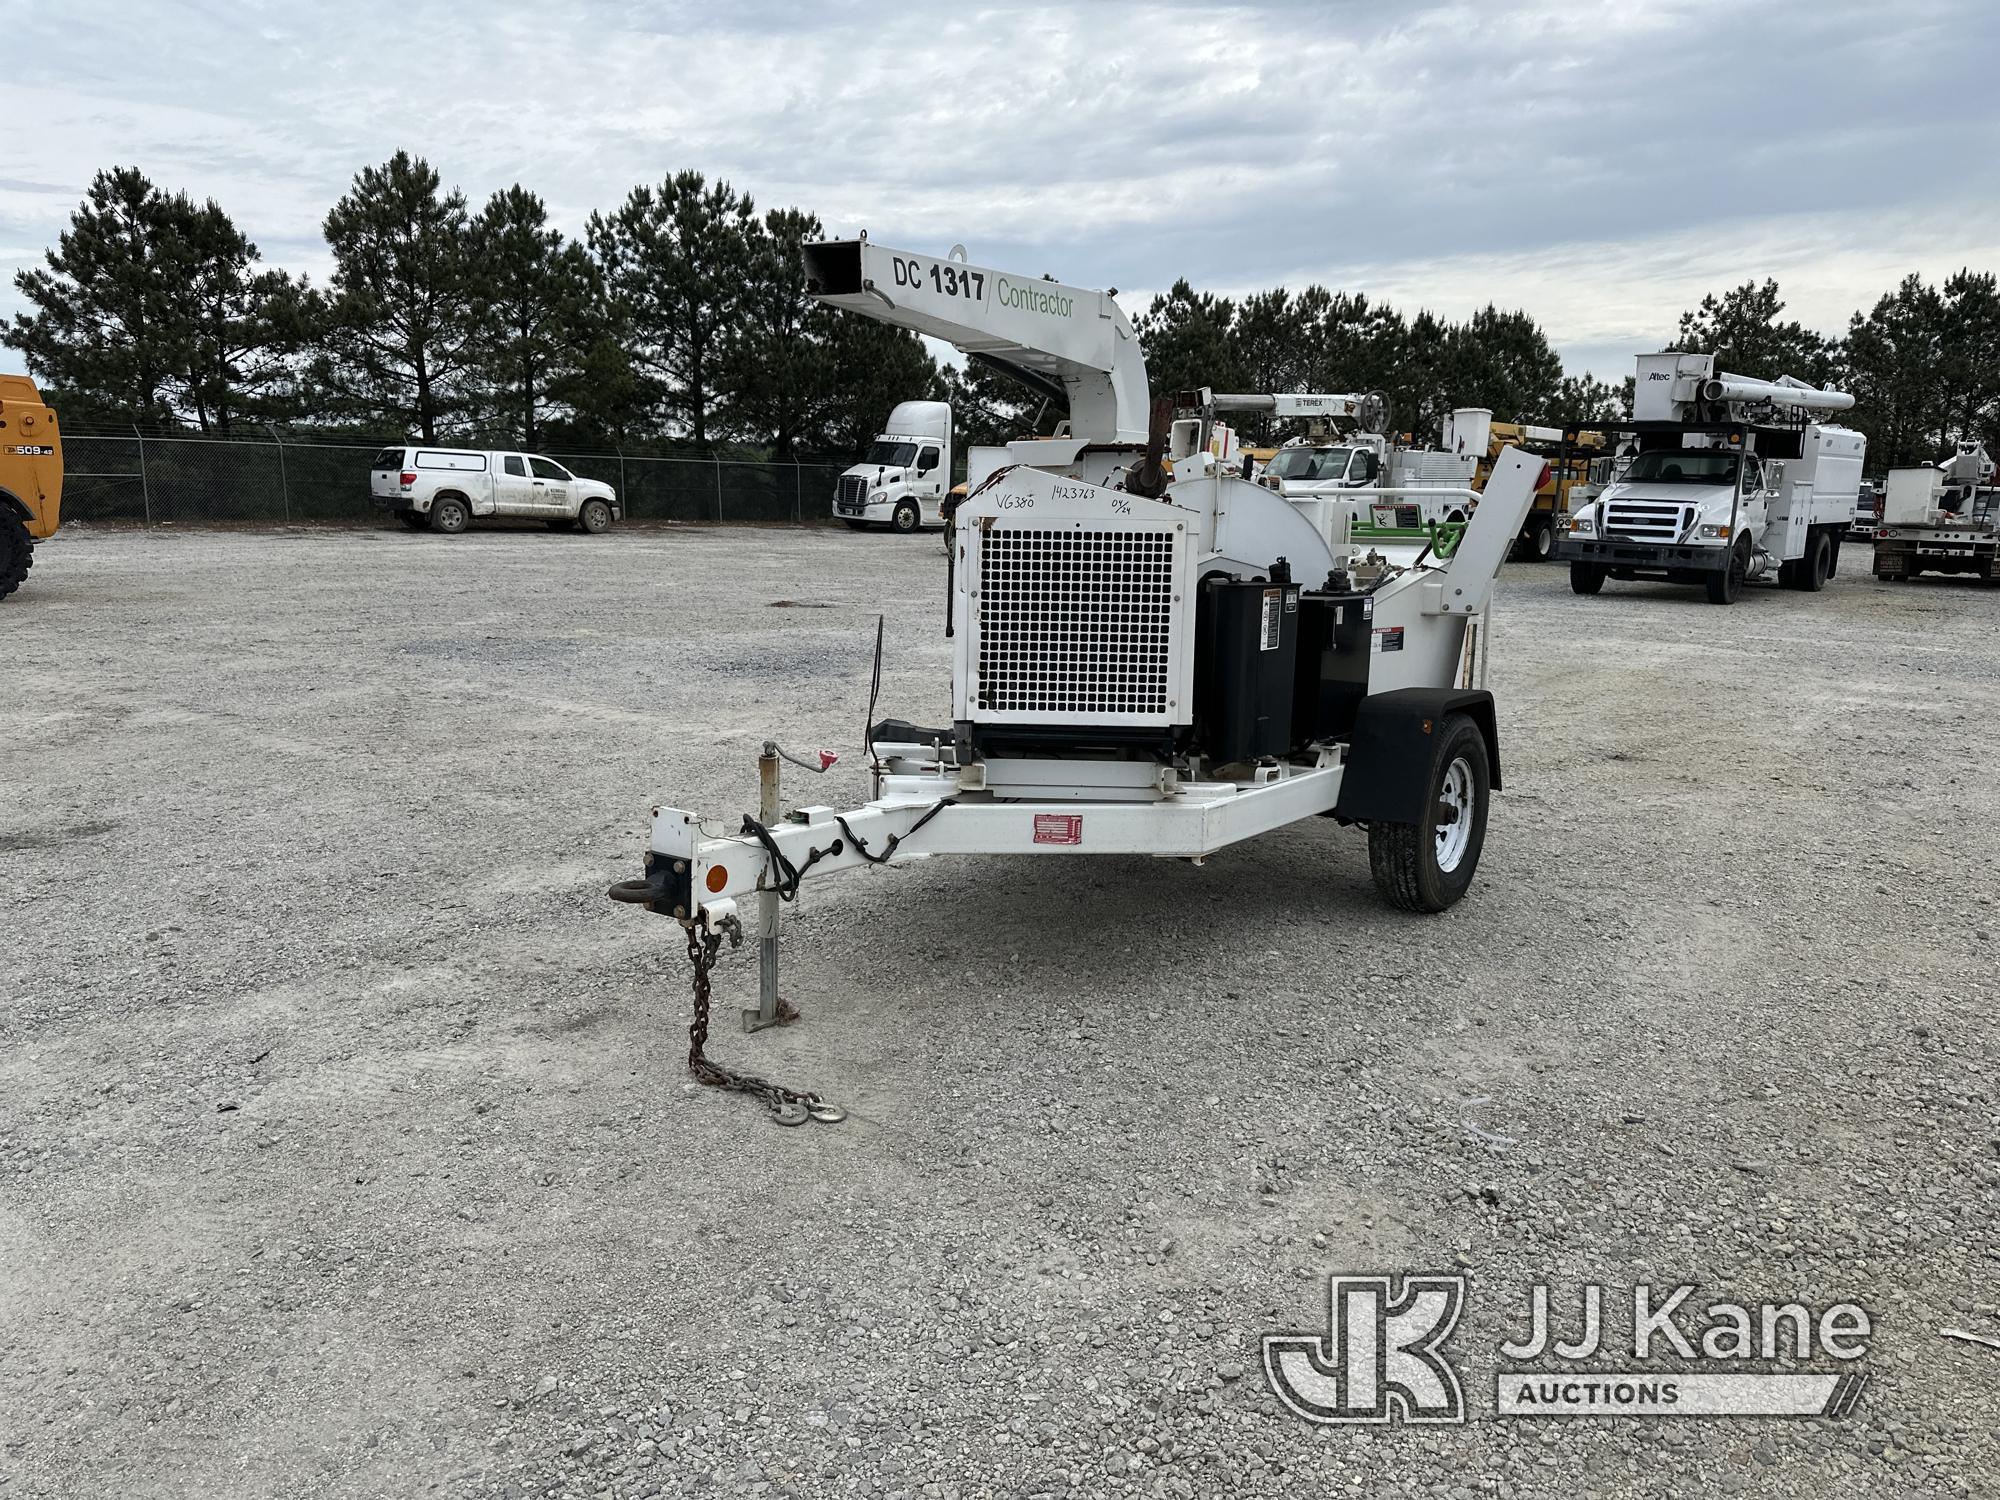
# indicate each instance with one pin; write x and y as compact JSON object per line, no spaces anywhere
{"x":1074,"y":606}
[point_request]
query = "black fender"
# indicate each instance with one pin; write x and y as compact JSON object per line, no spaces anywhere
{"x":1393,"y":749}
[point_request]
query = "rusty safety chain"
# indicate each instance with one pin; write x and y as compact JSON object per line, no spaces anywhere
{"x":787,"y":1106}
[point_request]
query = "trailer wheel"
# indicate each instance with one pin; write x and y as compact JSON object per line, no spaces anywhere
{"x":1725,"y":584}
{"x":1427,"y":867}
{"x":1586,"y":578}
{"x":17,"y":552}
{"x":448,"y":515}
{"x":907,"y":517}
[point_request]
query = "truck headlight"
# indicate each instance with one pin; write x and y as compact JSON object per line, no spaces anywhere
{"x":879,"y":495}
{"x":1582,"y":525}
{"x":1717,"y":532}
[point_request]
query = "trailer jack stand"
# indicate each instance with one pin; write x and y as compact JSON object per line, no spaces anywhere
{"x":771,"y":1010}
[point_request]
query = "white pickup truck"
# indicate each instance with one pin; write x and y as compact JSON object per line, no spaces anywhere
{"x":446,"y":488}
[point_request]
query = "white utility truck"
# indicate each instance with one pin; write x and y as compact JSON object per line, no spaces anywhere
{"x":1941,"y":520}
{"x":1151,"y":655}
{"x":902,"y":482}
{"x":445,"y":488}
{"x":1392,"y":487}
{"x":1724,"y":480}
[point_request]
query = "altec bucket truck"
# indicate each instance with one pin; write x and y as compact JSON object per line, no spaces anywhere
{"x":1724,"y":480}
{"x":1151,"y":654}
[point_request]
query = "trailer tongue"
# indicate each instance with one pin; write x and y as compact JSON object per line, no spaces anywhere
{"x":1151,"y":655}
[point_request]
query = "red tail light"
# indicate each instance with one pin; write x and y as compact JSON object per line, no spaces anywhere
{"x":409,"y":477}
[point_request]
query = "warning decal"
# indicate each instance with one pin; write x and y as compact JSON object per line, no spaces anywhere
{"x":1269,"y":625}
{"x":1389,"y":638}
{"x":1058,"y":828}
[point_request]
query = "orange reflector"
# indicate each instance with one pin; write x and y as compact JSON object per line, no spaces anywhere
{"x":718,"y":877}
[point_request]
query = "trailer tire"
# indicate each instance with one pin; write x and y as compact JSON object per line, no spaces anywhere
{"x":1725,"y":584}
{"x":907,"y":518}
{"x":17,"y":552}
{"x":1427,"y":867}
{"x":449,"y":515}
{"x":1586,"y":578}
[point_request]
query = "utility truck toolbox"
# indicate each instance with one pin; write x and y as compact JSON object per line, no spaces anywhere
{"x":1151,"y":654}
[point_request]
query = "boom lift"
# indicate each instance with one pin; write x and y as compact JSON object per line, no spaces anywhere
{"x":31,"y":478}
{"x":1941,"y":519}
{"x":1151,"y":654}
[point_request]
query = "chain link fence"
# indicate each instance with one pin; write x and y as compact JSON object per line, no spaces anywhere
{"x":190,"y":481}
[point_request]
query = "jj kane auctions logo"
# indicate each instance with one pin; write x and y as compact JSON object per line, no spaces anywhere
{"x":1383,"y":1356}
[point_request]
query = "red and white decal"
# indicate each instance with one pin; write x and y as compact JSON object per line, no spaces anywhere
{"x":1058,"y":828}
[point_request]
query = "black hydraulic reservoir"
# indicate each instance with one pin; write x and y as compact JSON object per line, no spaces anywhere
{"x":1245,"y":663}
{"x":1334,"y":632}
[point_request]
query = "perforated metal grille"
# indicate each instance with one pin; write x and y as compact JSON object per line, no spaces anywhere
{"x":1075,"y":622}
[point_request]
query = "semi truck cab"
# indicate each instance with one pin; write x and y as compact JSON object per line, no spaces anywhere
{"x":902,"y":481}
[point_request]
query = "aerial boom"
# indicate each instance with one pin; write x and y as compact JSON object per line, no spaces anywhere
{"x":1077,"y":338}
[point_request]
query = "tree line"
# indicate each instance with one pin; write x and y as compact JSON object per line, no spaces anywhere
{"x":681,"y":319}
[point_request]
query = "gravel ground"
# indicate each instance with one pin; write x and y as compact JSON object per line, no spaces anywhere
{"x":347,"y":1148}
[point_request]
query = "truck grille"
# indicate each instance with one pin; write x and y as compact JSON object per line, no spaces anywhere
{"x":1075,"y":623}
{"x":1647,"y":520}
{"x":851,"y":491}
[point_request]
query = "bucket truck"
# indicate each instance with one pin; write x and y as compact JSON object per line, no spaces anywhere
{"x":1721,"y":480}
{"x":1151,"y":655}
{"x":1942,"y":519}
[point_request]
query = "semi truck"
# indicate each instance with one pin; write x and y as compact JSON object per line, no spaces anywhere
{"x":1943,"y":519}
{"x":1720,"y":481}
{"x":902,"y":481}
{"x":31,"y":478}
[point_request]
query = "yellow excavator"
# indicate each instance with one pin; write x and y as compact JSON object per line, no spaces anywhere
{"x":31,"y":476}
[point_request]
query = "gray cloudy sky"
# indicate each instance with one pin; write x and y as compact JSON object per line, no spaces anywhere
{"x":1601,"y":165}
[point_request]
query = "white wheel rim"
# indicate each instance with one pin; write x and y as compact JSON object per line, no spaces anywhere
{"x":1454,"y":834}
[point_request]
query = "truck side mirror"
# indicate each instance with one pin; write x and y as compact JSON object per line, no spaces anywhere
{"x":1370,"y":467}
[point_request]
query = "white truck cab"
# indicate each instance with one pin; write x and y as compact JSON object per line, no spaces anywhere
{"x":902,"y":481}
{"x":446,"y":488}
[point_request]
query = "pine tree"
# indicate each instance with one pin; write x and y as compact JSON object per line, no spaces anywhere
{"x":535,"y":292}
{"x":676,"y":260}
{"x":244,"y":325}
{"x":777,"y":370}
{"x":1741,"y":329}
{"x":109,"y":324}
{"x":401,"y":324}
{"x":1186,"y":336}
